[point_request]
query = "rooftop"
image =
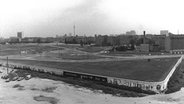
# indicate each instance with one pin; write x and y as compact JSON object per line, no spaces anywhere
{"x":141,"y":69}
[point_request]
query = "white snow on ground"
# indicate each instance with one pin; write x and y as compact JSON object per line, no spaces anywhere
{"x":68,"y":94}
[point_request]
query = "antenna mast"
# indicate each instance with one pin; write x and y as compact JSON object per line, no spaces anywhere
{"x":74,"y":29}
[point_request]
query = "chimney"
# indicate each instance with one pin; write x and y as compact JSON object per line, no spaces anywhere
{"x":144,"y":37}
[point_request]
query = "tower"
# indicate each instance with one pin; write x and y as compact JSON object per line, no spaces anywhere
{"x":74,"y":29}
{"x":19,"y":35}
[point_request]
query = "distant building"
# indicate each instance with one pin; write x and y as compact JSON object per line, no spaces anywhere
{"x":79,"y":39}
{"x":167,"y":43}
{"x":175,"y":42}
{"x":160,"y":41}
{"x":105,"y":40}
{"x":164,"y":32}
{"x":13,"y":40}
{"x":19,"y":36}
{"x":31,"y":40}
{"x":132,"y":32}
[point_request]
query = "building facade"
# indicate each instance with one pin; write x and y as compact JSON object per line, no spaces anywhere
{"x":132,"y":32}
{"x":174,"y":43}
{"x":164,"y":32}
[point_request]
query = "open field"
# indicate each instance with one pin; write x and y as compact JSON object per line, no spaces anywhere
{"x":47,"y":51}
{"x":59,"y":56}
{"x":133,"y":53}
{"x":53,"y":51}
{"x":92,"y":49}
{"x":29,"y":48}
{"x":142,"y":69}
{"x":69,"y":54}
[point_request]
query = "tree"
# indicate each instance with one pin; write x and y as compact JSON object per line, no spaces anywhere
{"x":139,"y":41}
{"x":38,"y":40}
{"x":81,"y":43}
{"x":132,"y":43}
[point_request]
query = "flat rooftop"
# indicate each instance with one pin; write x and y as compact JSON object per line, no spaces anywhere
{"x":140,"y":69}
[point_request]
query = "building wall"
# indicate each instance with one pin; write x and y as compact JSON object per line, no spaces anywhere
{"x":13,"y":40}
{"x":106,"y":40}
{"x":167,"y":44}
{"x":19,"y":35}
{"x":132,"y":32}
{"x":159,"y":40}
{"x":102,"y":40}
{"x":164,"y":32}
{"x":181,"y":51}
{"x":174,"y":42}
{"x":177,"y":42}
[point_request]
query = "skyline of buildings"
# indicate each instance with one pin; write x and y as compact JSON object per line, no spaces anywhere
{"x":165,"y":41}
{"x":129,"y":32}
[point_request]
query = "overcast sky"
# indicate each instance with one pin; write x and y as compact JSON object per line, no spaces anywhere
{"x":57,"y":17}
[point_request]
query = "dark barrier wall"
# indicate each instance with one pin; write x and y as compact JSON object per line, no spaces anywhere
{"x":84,"y":76}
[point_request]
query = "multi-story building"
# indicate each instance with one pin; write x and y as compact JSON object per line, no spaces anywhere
{"x":102,"y":40}
{"x":132,"y":32}
{"x":160,"y":41}
{"x":164,"y":32}
{"x":177,"y":42}
{"x":19,"y":35}
{"x":13,"y":40}
{"x":174,"y":44}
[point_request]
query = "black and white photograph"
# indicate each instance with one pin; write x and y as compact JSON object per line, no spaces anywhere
{"x":91,"y":52}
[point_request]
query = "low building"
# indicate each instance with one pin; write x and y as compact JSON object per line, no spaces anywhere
{"x":13,"y":40}
{"x":152,"y":75}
